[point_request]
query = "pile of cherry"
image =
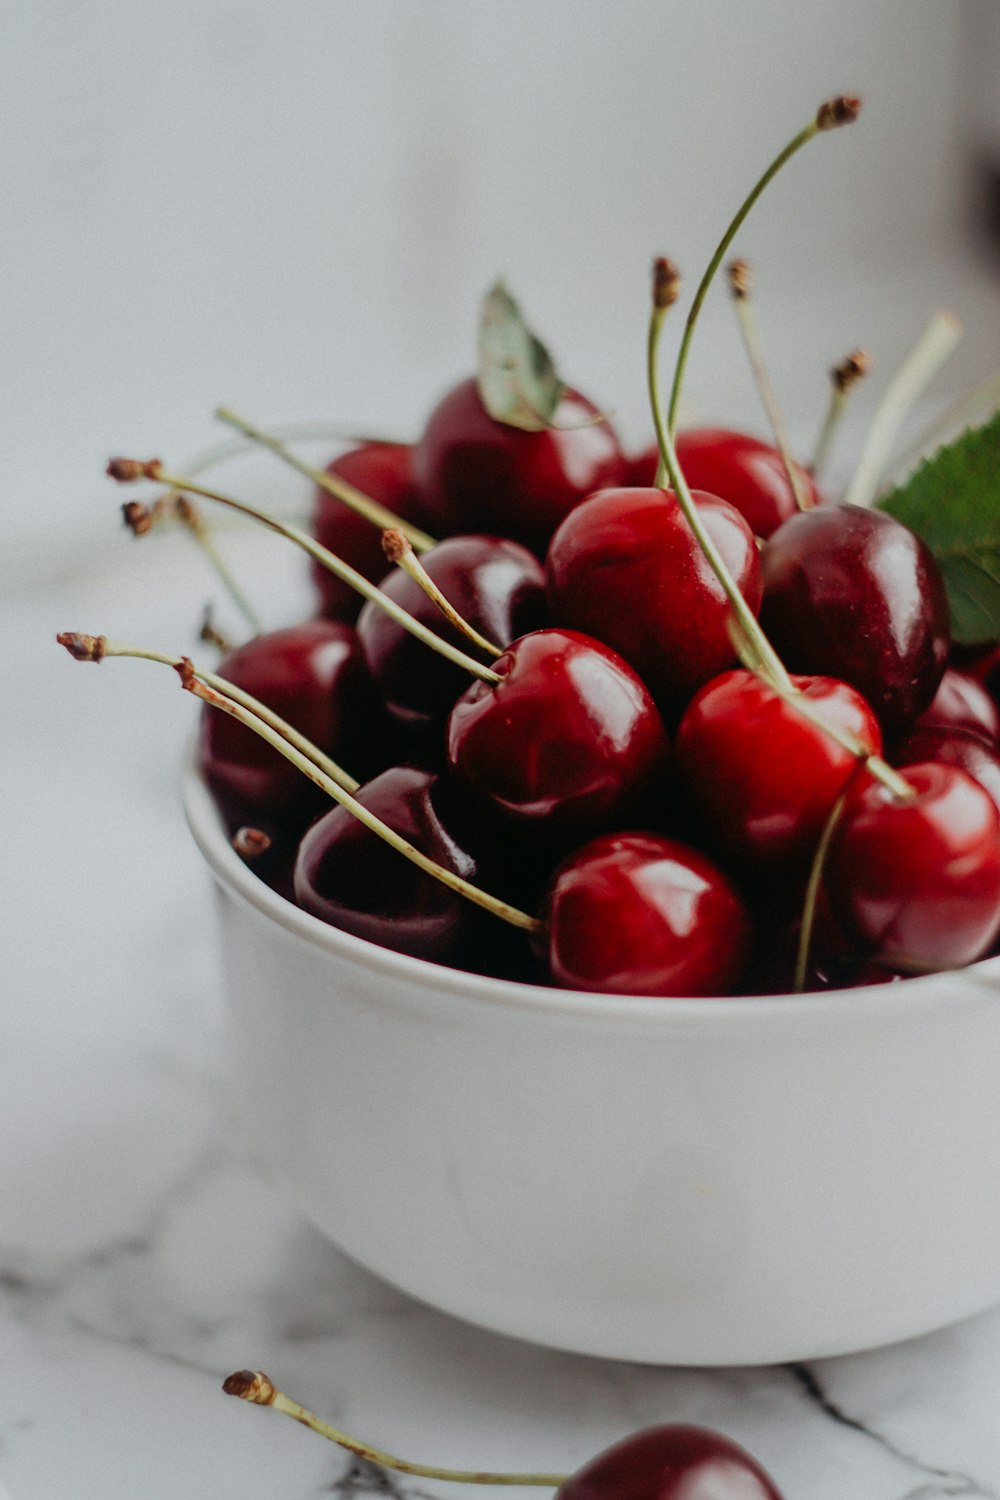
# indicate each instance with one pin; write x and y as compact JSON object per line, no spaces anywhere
{"x":614,"y":770}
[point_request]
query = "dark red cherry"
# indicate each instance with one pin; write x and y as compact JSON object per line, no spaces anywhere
{"x":348,"y":876}
{"x":671,"y":1463}
{"x":853,"y":594}
{"x":476,"y":474}
{"x":497,"y":586}
{"x":918,"y":882}
{"x":747,"y":472}
{"x":961,"y":702}
{"x":953,"y":747}
{"x":639,"y":914}
{"x":625,"y":567}
{"x":382,"y":472}
{"x":314,"y":676}
{"x":765,"y":777}
{"x":569,"y":739}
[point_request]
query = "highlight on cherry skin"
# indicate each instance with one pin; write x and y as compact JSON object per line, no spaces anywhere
{"x":673,"y":1461}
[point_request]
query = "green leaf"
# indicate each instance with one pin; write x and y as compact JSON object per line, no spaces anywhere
{"x":518,"y":383}
{"x":952,"y":501}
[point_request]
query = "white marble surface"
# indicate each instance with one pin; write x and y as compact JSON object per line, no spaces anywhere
{"x":142,"y":1259}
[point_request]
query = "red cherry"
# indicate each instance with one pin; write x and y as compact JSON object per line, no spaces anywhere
{"x":961,"y":702}
{"x":764,"y":776}
{"x":569,"y":739}
{"x":347,"y":876}
{"x":477,"y":474}
{"x":853,"y":594}
{"x":671,"y":1463}
{"x":626,"y":568}
{"x":952,"y":747}
{"x":638,"y":914}
{"x":314,"y":676}
{"x":382,"y":472}
{"x":747,"y":472}
{"x":497,"y":586}
{"x":918,"y":882}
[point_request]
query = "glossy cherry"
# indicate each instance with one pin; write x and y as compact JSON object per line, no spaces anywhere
{"x":917,"y":882}
{"x":382,"y":472}
{"x":744,"y":470}
{"x":639,"y":914}
{"x":853,"y":594}
{"x":476,"y":474}
{"x":314,"y":676}
{"x":765,"y":777}
{"x":569,"y":740}
{"x":347,"y":876}
{"x":961,"y":702}
{"x":953,"y":747}
{"x":496,"y":585}
{"x":626,"y":568}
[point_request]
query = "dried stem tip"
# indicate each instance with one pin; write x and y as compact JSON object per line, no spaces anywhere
{"x":394,"y":544}
{"x":740,"y":278}
{"x":850,"y":370}
{"x":666,"y":282}
{"x":840,"y":111}
{"x":139,"y":518}
{"x":126,"y":470}
{"x":187,"y":674}
{"x":250,"y":1385}
{"x":250,"y":843}
{"x":83,"y":647}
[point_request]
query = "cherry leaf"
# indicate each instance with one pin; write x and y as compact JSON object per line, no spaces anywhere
{"x":952,"y":501}
{"x":517,"y":378}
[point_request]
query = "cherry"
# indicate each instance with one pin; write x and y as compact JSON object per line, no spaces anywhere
{"x":346,"y":875}
{"x":917,"y":881}
{"x":474,"y":473}
{"x":747,"y":472}
{"x":853,"y":594}
{"x":626,"y":568}
{"x":671,"y":1462}
{"x":765,"y":777}
{"x":381,"y":471}
{"x":314,"y":676}
{"x":569,"y":739}
{"x":496,"y":585}
{"x":961,"y":702}
{"x":639,"y":914}
{"x":953,"y":747}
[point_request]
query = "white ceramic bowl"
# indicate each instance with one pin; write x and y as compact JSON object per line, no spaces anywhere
{"x":696,"y":1182}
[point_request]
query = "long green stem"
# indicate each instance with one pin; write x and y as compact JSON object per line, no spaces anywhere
{"x":812,"y":895}
{"x":126,"y":469}
{"x":840,"y":111}
{"x":254,"y":1386}
{"x":843,"y":378}
{"x":770,"y":662}
{"x":399,"y":551}
{"x":379,"y":515}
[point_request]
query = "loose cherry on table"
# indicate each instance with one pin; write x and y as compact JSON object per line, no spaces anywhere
{"x":764,"y":777}
{"x":497,"y":586}
{"x":639,"y":914}
{"x":916,"y":882}
{"x":744,"y":470}
{"x":568,"y":740}
{"x":381,"y":471}
{"x":474,"y":473}
{"x":853,"y":594}
{"x":669,"y":1462}
{"x":625,"y":567}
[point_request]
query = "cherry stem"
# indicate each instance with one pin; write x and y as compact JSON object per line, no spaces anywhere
{"x":812,"y":895}
{"x":250,"y":843}
{"x":210,"y":634}
{"x":125,"y":470}
{"x":665,"y":285}
{"x":971,"y":409}
{"x":399,"y":551}
{"x":254,"y":1386}
{"x":928,"y":354}
{"x":843,"y":378}
{"x":142,"y":518}
{"x":97,"y":647}
{"x":839,"y":111}
{"x":740,"y":282}
{"x":332,"y":484}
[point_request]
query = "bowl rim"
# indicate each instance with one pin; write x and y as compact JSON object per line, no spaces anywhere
{"x":924,"y":991}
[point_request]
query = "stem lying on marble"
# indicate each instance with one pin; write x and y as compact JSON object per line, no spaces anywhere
{"x":254,"y":1386}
